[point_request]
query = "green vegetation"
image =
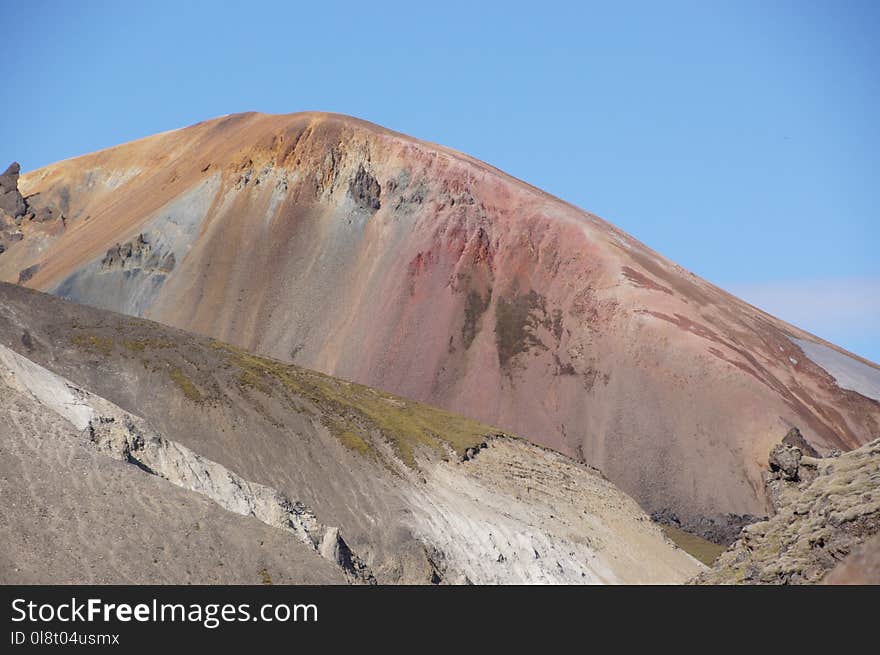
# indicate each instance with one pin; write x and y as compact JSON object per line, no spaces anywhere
{"x":702,"y":549}
{"x":140,"y":345}
{"x":353,"y":413}
{"x":104,"y":345}
{"x":92,"y":342}
{"x":265,"y":578}
{"x":354,"y":441}
{"x":186,"y":385}
{"x":350,"y":411}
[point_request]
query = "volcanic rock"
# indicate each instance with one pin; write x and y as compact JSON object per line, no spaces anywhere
{"x":794,"y":438}
{"x":786,"y":460}
{"x":11,"y":200}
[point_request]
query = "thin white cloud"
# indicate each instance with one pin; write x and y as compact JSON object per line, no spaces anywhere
{"x":838,"y":310}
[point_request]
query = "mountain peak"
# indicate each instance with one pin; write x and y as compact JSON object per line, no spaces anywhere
{"x":351,"y":249}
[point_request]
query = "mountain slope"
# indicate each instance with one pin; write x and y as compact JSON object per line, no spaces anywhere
{"x":73,"y":516}
{"x":369,"y":255}
{"x":380,"y":488}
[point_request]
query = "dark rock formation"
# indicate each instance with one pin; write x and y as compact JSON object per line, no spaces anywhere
{"x":16,"y":209}
{"x":137,"y":254}
{"x":27,"y":273}
{"x":796,"y":439}
{"x":365,"y":190}
{"x":11,"y":200}
{"x":722,"y":529}
{"x":788,"y":464}
{"x":472,"y":452}
{"x":786,"y":461}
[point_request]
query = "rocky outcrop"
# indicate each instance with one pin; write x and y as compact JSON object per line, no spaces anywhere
{"x":11,"y":200}
{"x":365,"y":190}
{"x":785,"y":462}
{"x":788,"y":464}
{"x":27,"y":273}
{"x":137,"y":254}
{"x":126,"y":438}
{"x":824,"y":508}
{"x":722,"y":529}
{"x":15,"y":210}
{"x":794,"y":438}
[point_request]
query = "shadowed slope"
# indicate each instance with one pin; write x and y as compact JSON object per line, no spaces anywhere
{"x":72,"y":516}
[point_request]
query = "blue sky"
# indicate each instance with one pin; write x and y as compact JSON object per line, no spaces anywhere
{"x":740,"y":139}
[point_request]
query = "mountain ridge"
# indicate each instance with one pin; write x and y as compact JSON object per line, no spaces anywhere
{"x":390,"y":262}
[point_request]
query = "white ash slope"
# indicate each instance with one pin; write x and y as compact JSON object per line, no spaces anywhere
{"x":517,"y":512}
{"x":513,"y":513}
{"x":122,"y":436}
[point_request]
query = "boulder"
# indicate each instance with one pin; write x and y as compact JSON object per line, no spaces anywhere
{"x":786,"y":461}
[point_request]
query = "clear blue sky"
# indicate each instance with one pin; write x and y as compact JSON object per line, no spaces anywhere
{"x":740,"y":139}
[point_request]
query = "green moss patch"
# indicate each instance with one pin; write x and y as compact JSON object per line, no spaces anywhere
{"x":103,"y":345}
{"x":186,"y":385}
{"x":351,"y":411}
{"x":141,"y":345}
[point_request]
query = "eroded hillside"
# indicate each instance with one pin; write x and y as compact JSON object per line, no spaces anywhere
{"x":366,"y":486}
{"x":366,"y":254}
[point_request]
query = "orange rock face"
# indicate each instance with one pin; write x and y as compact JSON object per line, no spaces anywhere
{"x":400,"y":264}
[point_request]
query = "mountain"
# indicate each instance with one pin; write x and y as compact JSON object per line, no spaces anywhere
{"x":365,"y":254}
{"x":135,"y":452}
